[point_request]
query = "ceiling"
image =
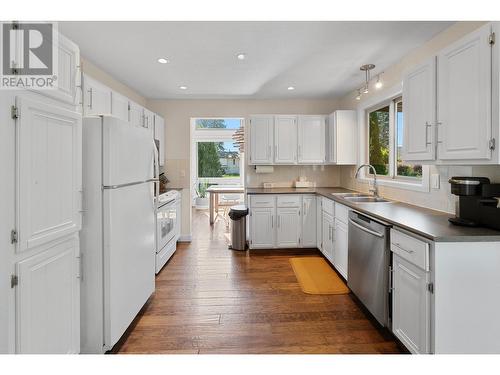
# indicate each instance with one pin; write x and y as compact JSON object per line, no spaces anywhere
{"x":320,"y":59}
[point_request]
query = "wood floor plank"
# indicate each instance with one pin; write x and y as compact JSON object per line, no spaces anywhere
{"x":209,"y":299}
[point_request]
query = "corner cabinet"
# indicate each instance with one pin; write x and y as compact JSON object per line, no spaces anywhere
{"x":448,"y":103}
{"x":311,"y":139}
{"x":261,"y":139}
{"x":342,"y":138}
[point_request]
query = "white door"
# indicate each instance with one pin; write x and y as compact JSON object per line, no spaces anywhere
{"x":129,"y":255}
{"x":340,"y":252}
{"x":119,"y":106}
{"x":410,"y":305}
{"x":262,"y":229}
{"x":261,"y":139}
{"x":288,"y":227}
{"x":285,"y":139}
{"x":48,"y":300}
{"x":49,"y":172}
{"x":327,"y":243}
{"x":464,"y":98}
{"x":419,"y":109}
{"x":136,"y":114}
{"x":96,"y":98}
{"x":308,"y":238}
{"x":128,"y":153}
{"x":311,"y":139}
{"x":159,"y":135}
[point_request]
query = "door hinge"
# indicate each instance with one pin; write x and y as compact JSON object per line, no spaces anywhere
{"x":491,"y":39}
{"x":13,"y":236}
{"x":430,"y":287}
{"x":14,"y":112}
{"x":492,"y":144}
{"x":14,"y":281}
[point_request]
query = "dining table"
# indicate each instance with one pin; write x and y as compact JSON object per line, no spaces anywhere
{"x":214,"y":191}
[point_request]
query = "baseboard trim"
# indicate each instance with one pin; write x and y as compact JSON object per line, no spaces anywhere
{"x":185,"y":238}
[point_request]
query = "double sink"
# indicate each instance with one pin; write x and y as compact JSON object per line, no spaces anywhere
{"x":361,"y":198}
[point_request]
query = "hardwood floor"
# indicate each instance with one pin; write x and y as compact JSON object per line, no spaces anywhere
{"x":209,"y":299}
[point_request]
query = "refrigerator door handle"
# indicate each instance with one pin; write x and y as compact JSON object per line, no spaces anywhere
{"x":110,"y":187}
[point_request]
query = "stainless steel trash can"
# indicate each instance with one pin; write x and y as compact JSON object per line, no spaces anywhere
{"x":238,"y":215}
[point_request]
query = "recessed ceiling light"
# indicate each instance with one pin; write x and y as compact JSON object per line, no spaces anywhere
{"x":241,"y":56}
{"x":183,"y":87}
{"x":163,"y":60}
{"x":290,"y":88}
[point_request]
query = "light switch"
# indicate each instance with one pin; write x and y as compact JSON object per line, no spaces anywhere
{"x":435,"y":181}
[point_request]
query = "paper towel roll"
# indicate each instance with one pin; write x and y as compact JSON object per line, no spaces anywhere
{"x":264,"y":169}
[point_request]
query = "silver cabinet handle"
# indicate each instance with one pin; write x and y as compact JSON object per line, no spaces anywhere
{"x":372,"y":232}
{"x":427,"y":126}
{"x":91,"y":94}
{"x":438,"y":123}
{"x":398,"y":245}
{"x":300,"y":152}
{"x":272,"y":221}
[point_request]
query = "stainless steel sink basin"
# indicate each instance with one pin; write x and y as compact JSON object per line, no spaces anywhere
{"x":367,"y":199}
{"x":345,"y":195}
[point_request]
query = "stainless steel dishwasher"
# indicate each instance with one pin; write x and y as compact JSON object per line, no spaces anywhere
{"x":368,"y":264}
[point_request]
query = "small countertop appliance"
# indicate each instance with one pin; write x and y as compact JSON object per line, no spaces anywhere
{"x":478,"y":202}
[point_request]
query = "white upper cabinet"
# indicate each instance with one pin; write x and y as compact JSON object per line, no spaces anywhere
{"x":49,"y":172}
{"x":342,"y":138}
{"x":419,"y":98}
{"x":159,"y":134}
{"x":149,"y":120}
{"x":119,"y":106}
{"x":464,"y":98}
{"x":261,"y":139}
{"x":285,"y":140}
{"x":96,"y":98}
{"x":311,"y":139}
{"x":136,"y":114}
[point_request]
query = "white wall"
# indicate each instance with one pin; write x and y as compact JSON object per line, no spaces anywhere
{"x":439,"y":199}
{"x":178,"y":114}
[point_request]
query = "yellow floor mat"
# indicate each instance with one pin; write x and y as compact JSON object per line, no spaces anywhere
{"x":316,"y":276}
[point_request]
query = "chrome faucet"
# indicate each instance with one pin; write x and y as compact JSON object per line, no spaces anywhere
{"x":374,"y":190}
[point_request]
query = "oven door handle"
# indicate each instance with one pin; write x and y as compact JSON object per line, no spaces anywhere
{"x":372,"y":232}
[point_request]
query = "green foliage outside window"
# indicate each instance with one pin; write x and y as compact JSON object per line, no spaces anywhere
{"x":379,"y":140}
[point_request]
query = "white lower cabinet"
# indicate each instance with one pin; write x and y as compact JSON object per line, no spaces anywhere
{"x":48,"y":300}
{"x":262,"y":228}
{"x":288,"y":227}
{"x":328,"y":236}
{"x":308,"y":217}
{"x":410,"y":306}
{"x":340,"y":249}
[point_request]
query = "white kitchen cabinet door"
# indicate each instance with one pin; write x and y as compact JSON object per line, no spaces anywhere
{"x":136,"y":114}
{"x":288,"y":227}
{"x":48,"y":301}
{"x":285,"y":140}
{"x":149,"y":120}
{"x":159,"y":135}
{"x":96,"y":98}
{"x":49,"y":172}
{"x":328,"y":236}
{"x":261,"y":139}
{"x":410,"y":305}
{"x":419,"y":109}
{"x":319,"y":223}
{"x":119,"y":106}
{"x":308,"y":238}
{"x":464,"y":98}
{"x":311,"y":139}
{"x":340,"y":250}
{"x":342,"y":138}
{"x":262,"y":228}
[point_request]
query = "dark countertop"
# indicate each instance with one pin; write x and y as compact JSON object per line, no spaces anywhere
{"x":425,"y":222}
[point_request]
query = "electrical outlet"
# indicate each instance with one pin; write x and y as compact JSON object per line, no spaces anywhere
{"x":435,"y":181}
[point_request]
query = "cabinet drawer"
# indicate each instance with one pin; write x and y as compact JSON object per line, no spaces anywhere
{"x":410,"y":248}
{"x":341,"y":212}
{"x":328,"y":206}
{"x":287,"y":200}
{"x":262,"y":200}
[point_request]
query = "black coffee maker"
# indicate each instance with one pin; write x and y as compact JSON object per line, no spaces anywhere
{"x":478,"y":203}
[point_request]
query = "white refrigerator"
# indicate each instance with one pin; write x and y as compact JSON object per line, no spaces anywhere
{"x":118,"y":231}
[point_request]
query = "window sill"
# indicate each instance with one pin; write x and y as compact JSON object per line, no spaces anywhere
{"x":398,"y":184}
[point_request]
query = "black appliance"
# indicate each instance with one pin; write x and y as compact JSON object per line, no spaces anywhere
{"x":477,"y":203}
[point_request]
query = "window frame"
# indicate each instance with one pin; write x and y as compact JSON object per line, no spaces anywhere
{"x":376,"y":102}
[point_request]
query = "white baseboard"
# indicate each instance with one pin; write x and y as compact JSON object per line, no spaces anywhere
{"x":185,"y":238}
